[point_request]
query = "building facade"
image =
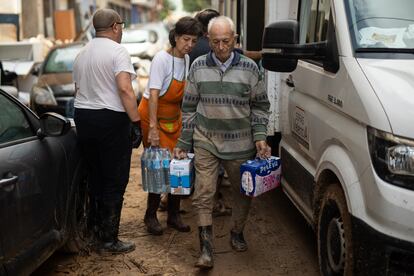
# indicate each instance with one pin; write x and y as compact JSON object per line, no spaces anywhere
{"x":42,"y":17}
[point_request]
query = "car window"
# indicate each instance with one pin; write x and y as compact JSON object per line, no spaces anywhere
{"x":314,"y":20}
{"x":13,"y":122}
{"x":61,"y":59}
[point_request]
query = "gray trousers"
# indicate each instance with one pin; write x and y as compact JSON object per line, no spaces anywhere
{"x":207,"y":169}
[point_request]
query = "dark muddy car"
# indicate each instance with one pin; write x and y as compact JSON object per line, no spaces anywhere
{"x":42,"y":187}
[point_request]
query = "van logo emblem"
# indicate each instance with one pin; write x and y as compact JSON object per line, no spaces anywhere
{"x":335,"y":100}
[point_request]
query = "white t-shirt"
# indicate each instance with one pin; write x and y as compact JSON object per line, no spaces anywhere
{"x":161,"y":71}
{"x":94,"y":72}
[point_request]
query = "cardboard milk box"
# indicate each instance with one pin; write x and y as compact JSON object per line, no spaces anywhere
{"x":260,"y":175}
{"x":181,"y":175}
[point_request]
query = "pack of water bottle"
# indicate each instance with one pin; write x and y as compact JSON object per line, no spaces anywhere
{"x":155,"y":170}
{"x":182,"y":175}
{"x":260,"y":175}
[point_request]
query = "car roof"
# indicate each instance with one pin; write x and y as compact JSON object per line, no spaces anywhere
{"x":68,"y":45}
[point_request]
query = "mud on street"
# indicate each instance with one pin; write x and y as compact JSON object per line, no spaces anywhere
{"x":280,"y":242}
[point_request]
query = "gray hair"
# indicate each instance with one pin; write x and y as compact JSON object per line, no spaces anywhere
{"x":221,"y":19}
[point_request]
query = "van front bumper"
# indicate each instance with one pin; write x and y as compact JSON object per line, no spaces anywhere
{"x":378,"y":254}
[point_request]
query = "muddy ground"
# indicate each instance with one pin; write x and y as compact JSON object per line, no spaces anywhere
{"x":280,"y":242}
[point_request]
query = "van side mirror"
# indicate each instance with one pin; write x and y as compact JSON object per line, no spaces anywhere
{"x":153,"y":37}
{"x":36,"y":72}
{"x":275,"y":36}
{"x":281,"y":50}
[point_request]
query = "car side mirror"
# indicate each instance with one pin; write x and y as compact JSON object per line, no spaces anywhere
{"x":53,"y":124}
{"x":36,"y":72}
{"x":153,"y":37}
{"x":281,"y":50}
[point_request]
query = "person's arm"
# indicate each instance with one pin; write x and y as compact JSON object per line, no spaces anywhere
{"x":255,"y":55}
{"x":154,"y":134}
{"x":188,"y":108}
{"x":126,"y":93}
{"x":259,"y":117}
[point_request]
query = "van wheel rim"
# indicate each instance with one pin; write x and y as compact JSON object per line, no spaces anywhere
{"x":336,"y":245}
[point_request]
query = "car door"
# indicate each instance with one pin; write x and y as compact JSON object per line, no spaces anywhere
{"x":28,"y":179}
{"x":307,"y":108}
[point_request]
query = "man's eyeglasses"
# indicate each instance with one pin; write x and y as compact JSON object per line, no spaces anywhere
{"x":121,"y":23}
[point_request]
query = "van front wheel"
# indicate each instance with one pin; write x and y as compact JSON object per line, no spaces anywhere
{"x":334,"y":234}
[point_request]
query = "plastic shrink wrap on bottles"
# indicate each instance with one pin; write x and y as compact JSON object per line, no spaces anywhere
{"x":153,"y":163}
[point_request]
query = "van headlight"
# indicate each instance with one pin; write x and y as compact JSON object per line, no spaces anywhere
{"x":43,"y":96}
{"x":392,"y":157}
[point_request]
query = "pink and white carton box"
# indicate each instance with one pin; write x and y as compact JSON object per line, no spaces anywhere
{"x":260,"y":175}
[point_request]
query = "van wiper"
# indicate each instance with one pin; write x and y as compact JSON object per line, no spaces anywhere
{"x":385,"y":50}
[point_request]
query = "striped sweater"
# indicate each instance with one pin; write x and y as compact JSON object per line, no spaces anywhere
{"x":224,"y":113}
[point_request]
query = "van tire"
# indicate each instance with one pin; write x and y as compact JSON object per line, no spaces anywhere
{"x":334,"y":234}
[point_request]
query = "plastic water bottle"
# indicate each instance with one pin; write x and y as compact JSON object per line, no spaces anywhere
{"x":144,"y":169}
{"x":150,"y":170}
{"x":157,"y":171}
{"x":166,"y":158}
{"x":151,"y":175}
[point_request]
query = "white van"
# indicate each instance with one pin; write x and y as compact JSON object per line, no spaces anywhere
{"x":347,"y":119}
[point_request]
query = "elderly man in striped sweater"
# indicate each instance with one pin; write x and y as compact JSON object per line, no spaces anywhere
{"x":225,"y":113}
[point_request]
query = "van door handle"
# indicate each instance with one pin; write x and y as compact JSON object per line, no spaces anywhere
{"x":289,"y":82}
{"x":8,"y":182}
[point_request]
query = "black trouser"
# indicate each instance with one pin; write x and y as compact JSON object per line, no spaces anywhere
{"x":105,"y":141}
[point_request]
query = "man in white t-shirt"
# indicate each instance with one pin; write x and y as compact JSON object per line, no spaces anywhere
{"x":105,"y":106}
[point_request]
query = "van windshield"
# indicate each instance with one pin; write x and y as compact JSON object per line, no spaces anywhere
{"x":381,"y":25}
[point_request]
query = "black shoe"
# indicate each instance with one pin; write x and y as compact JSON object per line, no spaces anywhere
{"x":153,"y":225}
{"x":175,"y":221}
{"x":116,"y":247}
{"x":174,"y":218}
{"x":150,"y":219}
{"x":237,"y":241}
{"x":205,"y":261}
{"x":110,"y":214}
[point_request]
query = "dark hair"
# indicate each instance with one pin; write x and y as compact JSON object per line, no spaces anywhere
{"x":205,"y":16}
{"x":104,"y":19}
{"x":185,"y":26}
